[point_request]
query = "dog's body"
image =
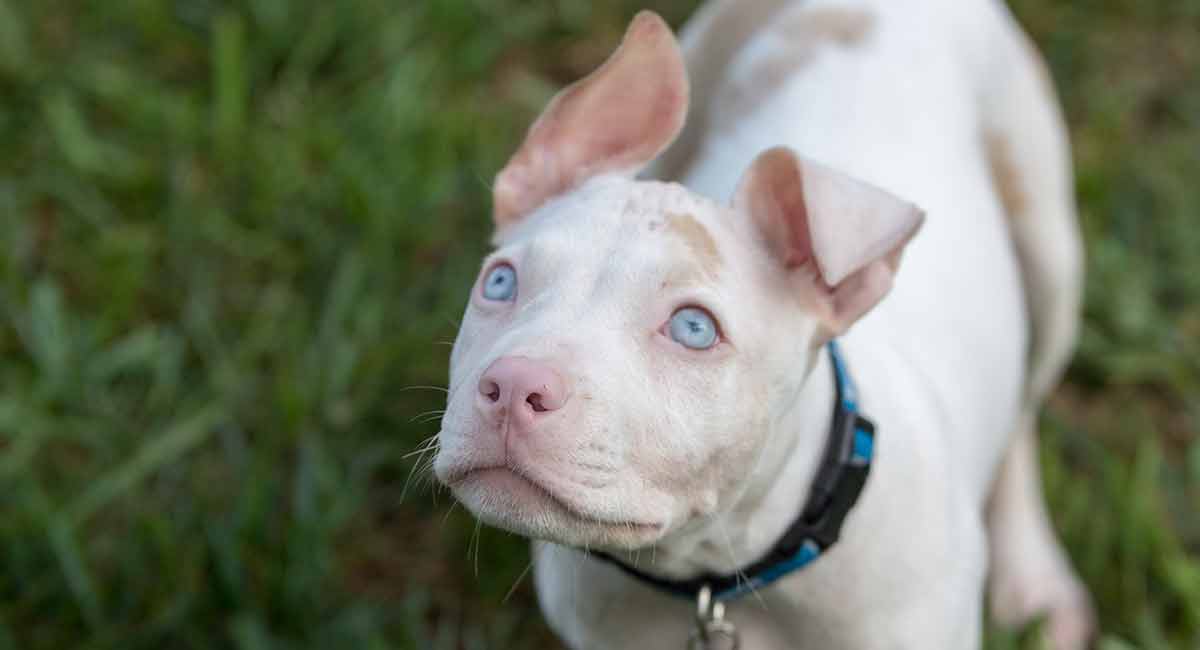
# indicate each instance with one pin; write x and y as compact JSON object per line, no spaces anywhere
{"x":942,"y":103}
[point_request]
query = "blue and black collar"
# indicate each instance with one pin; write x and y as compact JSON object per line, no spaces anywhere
{"x":835,"y":489}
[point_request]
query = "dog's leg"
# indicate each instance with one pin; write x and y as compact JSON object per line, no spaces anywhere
{"x":1027,"y":149}
{"x":1030,"y":574}
{"x":1025,"y":141}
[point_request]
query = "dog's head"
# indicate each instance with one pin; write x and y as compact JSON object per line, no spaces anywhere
{"x":629,"y":344}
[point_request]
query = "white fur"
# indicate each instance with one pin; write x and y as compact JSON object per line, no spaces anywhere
{"x":702,"y":460}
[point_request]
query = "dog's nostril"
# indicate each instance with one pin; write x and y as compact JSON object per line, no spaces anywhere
{"x":535,"y":400}
{"x":491,"y":390}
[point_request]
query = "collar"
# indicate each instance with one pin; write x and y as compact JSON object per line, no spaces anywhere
{"x":835,"y":489}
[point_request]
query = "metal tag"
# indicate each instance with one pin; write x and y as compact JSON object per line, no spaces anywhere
{"x":711,"y":630}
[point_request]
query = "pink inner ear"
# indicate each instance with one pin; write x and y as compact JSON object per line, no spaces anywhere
{"x":775,"y":199}
{"x":841,"y":237}
{"x":613,"y":121}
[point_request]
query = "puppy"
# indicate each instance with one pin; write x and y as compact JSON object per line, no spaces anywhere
{"x":798,"y":375}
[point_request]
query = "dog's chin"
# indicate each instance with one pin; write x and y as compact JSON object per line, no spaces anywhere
{"x":503,"y":498}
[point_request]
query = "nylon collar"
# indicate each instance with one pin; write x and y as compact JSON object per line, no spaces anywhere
{"x":835,"y":489}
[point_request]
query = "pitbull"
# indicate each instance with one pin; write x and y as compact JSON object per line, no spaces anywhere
{"x":645,"y":380}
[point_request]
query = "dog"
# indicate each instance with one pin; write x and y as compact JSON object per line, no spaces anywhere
{"x":782,"y":386}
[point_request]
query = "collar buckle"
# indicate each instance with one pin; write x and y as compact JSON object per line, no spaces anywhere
{"x":712,"y":630}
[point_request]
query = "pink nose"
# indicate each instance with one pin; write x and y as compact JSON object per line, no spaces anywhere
{"x":521,"y":390}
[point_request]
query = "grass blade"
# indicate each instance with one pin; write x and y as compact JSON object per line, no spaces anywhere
{"x":155,"y":453}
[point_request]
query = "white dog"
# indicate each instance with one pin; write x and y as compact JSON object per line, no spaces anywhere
{"x":643,"y":380}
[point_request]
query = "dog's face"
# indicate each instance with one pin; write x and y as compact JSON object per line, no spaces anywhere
{"x":628,"y":345}
{"x":616,"y":367}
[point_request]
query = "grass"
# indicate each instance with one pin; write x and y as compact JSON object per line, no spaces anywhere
{"x":236,"y":234}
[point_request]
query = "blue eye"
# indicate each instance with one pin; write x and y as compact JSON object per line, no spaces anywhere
{"x":693,"y":328}
{"x":500,"y":283}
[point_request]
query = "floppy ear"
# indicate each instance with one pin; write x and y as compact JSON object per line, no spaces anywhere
{"x":615,"y":120}
{"x":840,"y":237}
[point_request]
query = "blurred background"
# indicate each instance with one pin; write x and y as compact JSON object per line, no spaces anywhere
{"x":235,"y":239}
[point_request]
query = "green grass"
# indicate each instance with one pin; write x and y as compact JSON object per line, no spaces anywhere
{"x":235,"y":234}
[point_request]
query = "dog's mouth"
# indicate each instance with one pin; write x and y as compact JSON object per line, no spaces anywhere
{"x":509,"y":498}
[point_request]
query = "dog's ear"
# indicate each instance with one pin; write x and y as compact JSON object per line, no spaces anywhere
{"x":615,"y":120}
{"x":838,"y":236}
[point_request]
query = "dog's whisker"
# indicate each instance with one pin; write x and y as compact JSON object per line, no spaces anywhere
{"x":437,"y":412}
{"x":428,"y":439}
{"x":513,"y":589}
{"x":421,"y":465}
{"x":420,"y":453}
{"x":482,"y":180}
{"x":478,"y":540}
{"x":449,"y":511}
{"x":424,"y":446}
{"x":438,"y":388}
{"x":741,"y":575}
{"x":425,"y":474}
{"x":575,"y":564}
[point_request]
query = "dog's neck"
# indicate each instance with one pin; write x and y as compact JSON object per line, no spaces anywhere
{"x":772,"y":496}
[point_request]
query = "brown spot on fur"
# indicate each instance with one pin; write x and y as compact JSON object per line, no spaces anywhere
{"x":696,"y":237}
{"x":705,"y":261}
{"x":1006,"y":176}
{"x":806,"y":31}
{"x":847,"y":27}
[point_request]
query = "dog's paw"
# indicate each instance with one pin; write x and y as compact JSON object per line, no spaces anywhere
{"x":1053,"y":593}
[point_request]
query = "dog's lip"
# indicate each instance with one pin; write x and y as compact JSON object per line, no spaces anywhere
{"x":466,"y":474}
